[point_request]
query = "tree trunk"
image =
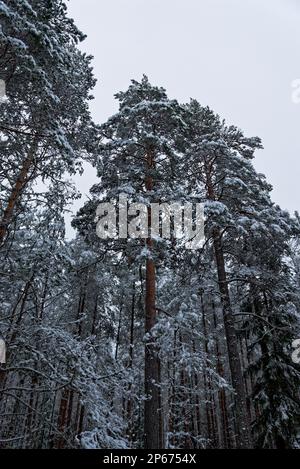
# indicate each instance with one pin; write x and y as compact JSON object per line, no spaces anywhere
{"x":241,"y":414}
{"x":129,"y":408}
{"x":210,"y":417}
{"x":152,"y":411}
{"x":222,"y":394}
{"x":16,"y":193}
{"x":62,"y":418}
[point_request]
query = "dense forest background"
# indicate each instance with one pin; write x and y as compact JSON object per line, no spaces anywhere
{"x":133,"y":343}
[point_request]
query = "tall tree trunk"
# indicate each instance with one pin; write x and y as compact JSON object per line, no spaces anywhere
{"x":119,"y":332}
{"x":241,"y":413}
{"x":198,"y":426}
{"x":152,"y":410}
{"x":222,"y":394}
{"x":14,"y":197}
{"x":210,"y":416}
{"x":62,"y":418}
{"x":171,"y":399}
{"x":129,"y":407}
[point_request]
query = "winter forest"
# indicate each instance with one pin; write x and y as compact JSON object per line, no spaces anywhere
{"x":133,"y":343}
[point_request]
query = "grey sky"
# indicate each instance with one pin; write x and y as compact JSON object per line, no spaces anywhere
{"x":238,"y":57}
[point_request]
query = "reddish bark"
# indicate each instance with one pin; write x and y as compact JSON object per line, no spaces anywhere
{"x":14,"y":197}
{"x":152,"y":410}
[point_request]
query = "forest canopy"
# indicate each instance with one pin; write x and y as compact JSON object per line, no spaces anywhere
{"x":135,"y":342}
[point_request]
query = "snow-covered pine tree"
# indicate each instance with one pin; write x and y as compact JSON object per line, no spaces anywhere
{"x":239,"y":211}
{"x":271,"y":300}
{"x":208,"y":168}
{"x":138,"y":158}
{"x":45,"y":124}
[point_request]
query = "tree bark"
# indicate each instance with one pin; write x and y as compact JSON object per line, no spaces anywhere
{"x":241,"y":413}
{"x":152,"y":410}
{"x":20,"y":183}
{"x":209,"y":405}
{"x":226,"y":434}
{"x":62,"y":418}
{"x":243,"y":436}
{"x":129,"y":407}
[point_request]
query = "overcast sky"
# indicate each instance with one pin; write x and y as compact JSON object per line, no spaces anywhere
{"x":238,"y":57}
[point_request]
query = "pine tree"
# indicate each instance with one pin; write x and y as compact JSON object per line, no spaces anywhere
{"x":45,"y":123}
{"x":137,"y":159}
